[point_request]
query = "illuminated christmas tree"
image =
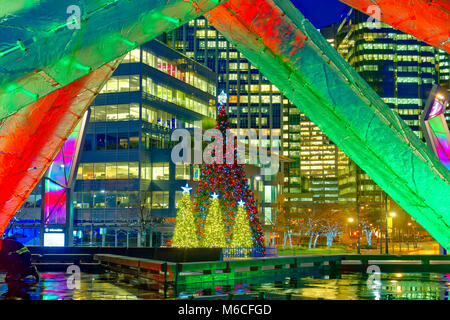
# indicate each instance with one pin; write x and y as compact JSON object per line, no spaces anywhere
{"x":241,"y":231}
{"x":214,"y":226}
{"x":185,"y":233}
{"x":230,"y":182}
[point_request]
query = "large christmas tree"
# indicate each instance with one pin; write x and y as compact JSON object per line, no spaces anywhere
{"x":229,"y":181}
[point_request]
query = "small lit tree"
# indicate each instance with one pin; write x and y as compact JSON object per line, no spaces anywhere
{"x":185,"y":233}
{"x":214,"y":225}
{"x":242,"y":234}
{"x":367,"y":229}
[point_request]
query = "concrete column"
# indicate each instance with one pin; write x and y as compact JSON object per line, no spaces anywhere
{"x":151,"y":238}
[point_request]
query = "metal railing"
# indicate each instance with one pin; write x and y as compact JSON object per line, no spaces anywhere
{"x":248,"y":252}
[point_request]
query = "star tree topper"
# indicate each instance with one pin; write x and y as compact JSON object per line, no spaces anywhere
{"x":186,"y":189}
{"x":214,"y":196}
{"x":222,"y":98}
{"x":241,"y":203}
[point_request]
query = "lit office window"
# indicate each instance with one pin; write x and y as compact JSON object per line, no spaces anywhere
{"x":133,"y":170}
{"x":134,"y":140}
{"x":99,"y":113}
{"x":160,"y":199}
{"x":146,"y":171}
{"x":135,"y":55}
{"x":123,"y":139}
{"x":160,"y":171}
{"x":182,"y":171}
{"x":123,"y":83}
{"x":99,"y":171}
{"x":111,"y":170}
{"x":88,"y":171}
{"x":268,"y":216}
{"x":122,"y":170}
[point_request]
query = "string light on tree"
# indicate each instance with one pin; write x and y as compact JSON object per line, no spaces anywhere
{"x":241,"y":231}
{"x":185,"y":233}
{"x":230,"y":182}
{"x":214,"y":225}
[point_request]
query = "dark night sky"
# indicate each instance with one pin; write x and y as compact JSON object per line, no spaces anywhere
{"x":322,"y":13}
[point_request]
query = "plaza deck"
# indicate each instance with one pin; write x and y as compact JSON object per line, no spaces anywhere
{"x":186,"y":273}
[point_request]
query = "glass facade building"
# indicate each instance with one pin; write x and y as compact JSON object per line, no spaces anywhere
{"x":402,"y":70}
{"x":126,"y":170}
{"x":125,"y":175}
{"x":255,"y":103}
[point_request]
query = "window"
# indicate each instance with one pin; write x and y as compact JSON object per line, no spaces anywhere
{"x":124,"y":83}
{"x":99,"y":113}
{"x":123,"y":140}
{"x":99,"y":171}
{"x":267,"y":215}
{"x":146,"y":172}
{"x":122,"y":170}
{"x":88,"y":142}
{"x":182,"y":171}
{"x":160,"y":199}
{"x":123,"y":112}
{"x":134,"y":140}
{"x":134,"y":83}
{"x":80,"y":172}
{"x":100,"y":141}
{"x":111,"y":170}
{"x":134,"y":170}
{"x":111,"y":113}
{"x":111,"y":141}
{"x":160,"y":171}
{"x":88,"y":171}
{"x":134,"y":111}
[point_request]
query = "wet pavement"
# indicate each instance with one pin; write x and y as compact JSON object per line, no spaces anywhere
{"x":345,"y":286}
{"x":55,"y":286}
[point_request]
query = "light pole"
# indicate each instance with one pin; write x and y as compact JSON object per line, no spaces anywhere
{"x":350,"y":221}
{"x":392,"y":215}
{"x":386,"y":222}
{"x":358,"y":249}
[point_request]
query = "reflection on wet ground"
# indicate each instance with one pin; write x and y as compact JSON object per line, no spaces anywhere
{"x":53,"y":286}
{"x":346,"y":286}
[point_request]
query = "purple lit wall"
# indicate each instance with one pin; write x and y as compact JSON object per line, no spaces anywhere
{"x":435,"y":125}
{"x":59,"y":178}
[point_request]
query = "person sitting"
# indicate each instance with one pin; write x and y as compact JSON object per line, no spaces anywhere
{"x":15,"y":259}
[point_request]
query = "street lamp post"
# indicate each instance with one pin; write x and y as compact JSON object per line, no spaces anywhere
{"x":350,"y":221}
{"x":380,"y":234}
{"x":392,"y":215}
{"x":358,"y":249}
{"x":386,"y":222}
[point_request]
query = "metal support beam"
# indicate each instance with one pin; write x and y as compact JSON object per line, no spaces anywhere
{"x":427,"y":20}
{"x":275,"y":37}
